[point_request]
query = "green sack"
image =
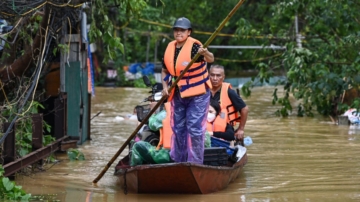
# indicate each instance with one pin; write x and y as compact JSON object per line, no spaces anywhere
{"x":144,"y":153}
{"x":141,"y":154}
{"x":162,"y":156}
{"x":155,"y":121}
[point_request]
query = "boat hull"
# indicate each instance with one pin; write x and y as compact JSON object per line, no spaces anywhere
{"x":180,"y":178}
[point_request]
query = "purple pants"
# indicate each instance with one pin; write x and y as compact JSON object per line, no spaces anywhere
{"x":189,"y":126}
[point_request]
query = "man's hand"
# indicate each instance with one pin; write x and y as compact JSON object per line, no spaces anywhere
{"x":239,"y":134}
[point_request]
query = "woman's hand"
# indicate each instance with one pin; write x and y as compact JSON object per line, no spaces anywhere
{"x":208,"y":56}
{"x":202,"y":51}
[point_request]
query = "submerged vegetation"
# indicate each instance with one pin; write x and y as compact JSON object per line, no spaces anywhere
{"x":75,"y":154}
{"x":10,"y":191}
{"x":24,"y":127}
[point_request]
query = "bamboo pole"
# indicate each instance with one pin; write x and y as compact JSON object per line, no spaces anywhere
{"x":169,"y":90}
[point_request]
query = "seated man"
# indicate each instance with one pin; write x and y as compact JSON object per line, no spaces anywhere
{"x":230,"y":103}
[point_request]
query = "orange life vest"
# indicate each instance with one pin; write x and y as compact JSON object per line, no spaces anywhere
{"x":193,"y":81}
{"x":228,"y":114}
{"x":209,"y":127}
{"x":220,"y":122}
{"x":166,"y":131}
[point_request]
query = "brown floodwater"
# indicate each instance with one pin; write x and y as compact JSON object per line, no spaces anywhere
{"x":291,"y":159}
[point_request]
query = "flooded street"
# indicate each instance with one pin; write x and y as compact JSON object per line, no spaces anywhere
{"x":291,"y":159}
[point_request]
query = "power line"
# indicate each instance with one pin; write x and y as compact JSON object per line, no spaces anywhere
{"x":209,"y":33}
{"x":253,"y":60}
{"x":248,"y":47}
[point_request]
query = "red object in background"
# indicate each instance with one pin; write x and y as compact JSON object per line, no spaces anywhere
{"x":97,"y":67}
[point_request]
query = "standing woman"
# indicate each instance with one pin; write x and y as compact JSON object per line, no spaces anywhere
{"x":190,"y":98}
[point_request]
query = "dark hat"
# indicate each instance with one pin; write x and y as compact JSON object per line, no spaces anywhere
{"x":182,"y":23}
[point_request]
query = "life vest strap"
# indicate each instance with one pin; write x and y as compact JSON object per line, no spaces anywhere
{"x":167,"y":77}
{"x":169,"y":81}
{"x":185,"y":77}
{"x":190,"y":70}
{"x":229,"y":106}
{"x":238,"y":119}
{"x":196,"y":68}
{"x":185,"y":87}
{"x":193,"y":76}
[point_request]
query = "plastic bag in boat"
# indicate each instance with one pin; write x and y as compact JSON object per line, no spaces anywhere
{"x":247,"y":141}
{"x":155,"y":121}
{"x":207,"y":140}
{"x":161,"y":156}
{"x":240,"y":152}
{"x":144,"y":153}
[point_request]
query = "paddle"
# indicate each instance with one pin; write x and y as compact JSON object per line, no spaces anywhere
{"x":169,"y":90}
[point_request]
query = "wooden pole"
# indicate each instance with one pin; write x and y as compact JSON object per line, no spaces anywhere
{"x":169,"y":90}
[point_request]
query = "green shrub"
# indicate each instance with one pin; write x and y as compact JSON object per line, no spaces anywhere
{"x":10,"y":191}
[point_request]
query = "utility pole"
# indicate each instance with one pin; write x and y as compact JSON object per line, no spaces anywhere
{"x":155,"y":50}
{"x":298,"y":35}
{"x":148,"y":46}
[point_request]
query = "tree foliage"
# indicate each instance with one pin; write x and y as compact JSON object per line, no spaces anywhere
{"x":104,"y":15}
{"x":327,"y":64}
{"x":317,"y":73}
{"x":9,"y":190}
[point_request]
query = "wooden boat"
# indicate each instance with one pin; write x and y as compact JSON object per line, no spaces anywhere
{"x":181,"y":178}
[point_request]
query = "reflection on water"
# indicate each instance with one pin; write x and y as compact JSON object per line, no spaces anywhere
{"x":291,"y":159}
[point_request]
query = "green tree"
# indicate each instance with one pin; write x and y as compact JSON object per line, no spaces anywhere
{"x":317,"y":73}
{"x":326,"y":65}
{"x":9,"y":190}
